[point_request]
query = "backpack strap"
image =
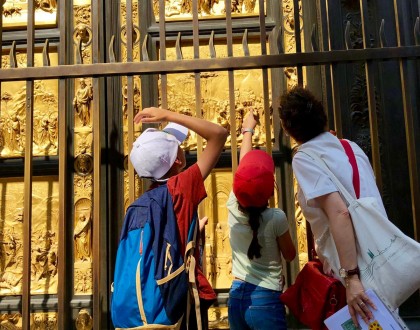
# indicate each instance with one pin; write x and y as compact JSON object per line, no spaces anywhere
{"x":352,"y":159}
{"x":190,"y":264}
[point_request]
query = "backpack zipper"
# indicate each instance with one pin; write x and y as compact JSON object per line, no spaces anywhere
{"x":141,"y":243}
{"x":139,"y":294}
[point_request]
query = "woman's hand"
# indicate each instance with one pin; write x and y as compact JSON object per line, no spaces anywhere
{"x":357,"y":301}
{"x":250,"y":120}
{"x":152,"y":115}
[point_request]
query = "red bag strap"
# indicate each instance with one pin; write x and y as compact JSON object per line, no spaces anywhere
{"x":353,"y":163}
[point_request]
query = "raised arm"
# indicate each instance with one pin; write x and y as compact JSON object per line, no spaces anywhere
{"x":248,"y":126}
{"x":215,"y":134}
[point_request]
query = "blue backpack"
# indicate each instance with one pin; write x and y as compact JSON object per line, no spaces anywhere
{"x":151,"y":280}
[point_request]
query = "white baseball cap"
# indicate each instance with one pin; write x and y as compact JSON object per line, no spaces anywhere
{"x":155,"y":151}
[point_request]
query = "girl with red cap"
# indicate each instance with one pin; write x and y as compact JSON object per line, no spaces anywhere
{"x":259,"y":237}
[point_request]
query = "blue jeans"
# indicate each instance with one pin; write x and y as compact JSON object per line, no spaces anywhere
{"x":254,"y":307}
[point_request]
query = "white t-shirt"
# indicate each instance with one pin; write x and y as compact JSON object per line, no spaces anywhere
{"x":315,"y":182}
{"x":265,"y":271}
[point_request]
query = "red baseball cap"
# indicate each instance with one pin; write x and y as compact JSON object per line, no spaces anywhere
{"x":253,"y":183}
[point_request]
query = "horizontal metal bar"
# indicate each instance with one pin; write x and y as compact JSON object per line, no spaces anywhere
{"x":216,"y":64}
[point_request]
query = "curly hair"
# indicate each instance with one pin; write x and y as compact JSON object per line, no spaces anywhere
{"x":302,"y":115}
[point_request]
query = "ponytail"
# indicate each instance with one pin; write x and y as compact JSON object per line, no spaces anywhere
{"x":254,"y":250}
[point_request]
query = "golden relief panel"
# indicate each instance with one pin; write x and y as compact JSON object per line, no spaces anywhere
{"x":44,"y":321}
{"x":215,"y":95}
{"x":15,"y":14}
{"x":207,"y":9}
{"x":217,"y":251}
{"x":44,"y":238}
{"x":13,"y":113}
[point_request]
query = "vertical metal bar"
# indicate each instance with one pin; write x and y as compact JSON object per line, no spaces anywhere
{"x":263,"y":32}
{"x":334,"y":80}
{"x":323,"y":34}
{"x":63,"y":299}
{"x":162,"y":53}
{"x":231,"y":82}
{"x":197,"y":75}
{"x":413,"y":166}
{"x":130,"y":98}
{"x":27,"y":218}
{"x":370,"y":84}
{"x":99,"y":297}
{"x":267,"y":119}
{"x":296,"y":17}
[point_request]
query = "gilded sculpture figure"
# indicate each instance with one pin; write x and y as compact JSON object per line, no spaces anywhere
{"x":84,"y":321}
{"x":83,"y":251}
{"x":82,"y":102}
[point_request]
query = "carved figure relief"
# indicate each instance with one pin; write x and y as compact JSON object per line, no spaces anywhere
{"x":11,"y":321}
{"x":44,"y":240}
{"x":84,"y":321}
{"x":82,"y":232}
{"x":82,"y":280}
{"x":83,"y":164}
{"x":13,"y":119}
{"x":46,"y":5}
{"x":215,"y":95}
{"x":136,"y":100}
{"x":44,"y":256}
{"x":218,"y":255}
{"x":82,"y":238}
{"x":82,"y":102}
{"x":11,"y":256}
{"x":206,"y":8}
{"x":15,"y":13}
{"x":44,"y":321}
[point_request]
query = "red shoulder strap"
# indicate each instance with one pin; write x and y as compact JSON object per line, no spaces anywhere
{"x":352,"y":159}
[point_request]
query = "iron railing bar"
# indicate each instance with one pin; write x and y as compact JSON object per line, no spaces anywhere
{"x":298,"y":39}
{"x":62,"y":271}
{"x":28,"y":168}
{"x":195,"y":29}
{"x":130,"y":99}
{"x":324,"y":46}
{"x":197,"y":75}
{"x":216,"y":64}
{"x":229,"y":35}
{"x":129,"y":30}
{"x":370,"y":85}
{"x":266,"y":104}
{"x":231,"y":84}
{"x":413,"y":166}
{"x":263,"y":31}
{"x":162,"y":52}
{"x":336,"y":103}
{"x":99,"y":297}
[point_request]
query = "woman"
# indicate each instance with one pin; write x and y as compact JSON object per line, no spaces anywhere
{"x":259,"y":237}
{"x":304,"y":119}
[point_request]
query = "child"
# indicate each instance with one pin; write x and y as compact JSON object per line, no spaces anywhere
{"x":259,"y":237}
{"x":157,"y":155}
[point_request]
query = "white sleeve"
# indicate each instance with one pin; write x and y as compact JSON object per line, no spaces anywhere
{"x":313,"y":180}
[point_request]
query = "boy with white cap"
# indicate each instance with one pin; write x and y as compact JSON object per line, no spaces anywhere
{"x":157,"y":155}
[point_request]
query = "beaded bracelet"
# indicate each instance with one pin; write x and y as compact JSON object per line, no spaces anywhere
{"x":250,"y":130}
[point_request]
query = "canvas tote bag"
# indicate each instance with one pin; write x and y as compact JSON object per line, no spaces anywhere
{"x":389,"y":260}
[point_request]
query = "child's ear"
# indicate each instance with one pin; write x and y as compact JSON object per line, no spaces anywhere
{"x":178,"y":161}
